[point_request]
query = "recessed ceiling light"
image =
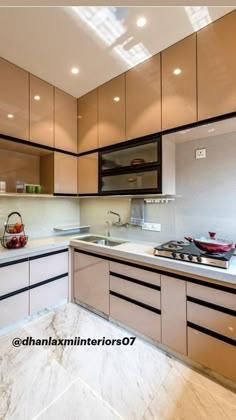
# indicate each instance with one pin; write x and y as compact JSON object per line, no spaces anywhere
{"x":211,"y":130}
{"x":177,"y":71}
{"x":116,"y":98}
{"x":141,"y":22}
{"x":75,"y":70}
{"x":10,"y":116}
{"x":37,"y":97}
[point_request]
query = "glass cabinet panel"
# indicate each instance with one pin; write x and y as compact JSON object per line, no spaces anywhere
{"x":148,"y":180}
{"x":142,"y":154}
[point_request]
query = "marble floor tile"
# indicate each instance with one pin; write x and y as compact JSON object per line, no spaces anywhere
{"x":126,"y":377}
{"x":29,"y":379}
{"x":179,"y":398}
{"x":79,"y":402}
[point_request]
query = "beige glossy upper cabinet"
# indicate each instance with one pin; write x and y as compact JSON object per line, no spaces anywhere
{"x":143,"y":98}
{"x":58,"y":173}
{"x":88,"y":122}
{"x":111,"y":112}
{"x":216,"y":67}
{"x":65,"y":121}
{"x":41,"y":112}
{"x":14,"y":100}
{"x":88,"y":174}
{"x":179,"y":96}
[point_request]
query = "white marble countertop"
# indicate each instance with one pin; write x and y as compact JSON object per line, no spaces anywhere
{"x":142,"y":252}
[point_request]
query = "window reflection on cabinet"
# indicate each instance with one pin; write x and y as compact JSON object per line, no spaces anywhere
{"x":65,"y":121}
{"x":111,"y":111}
{"x":88,"y":122}
{"x":41,"y":112}
{"x":143,"y":98}
{"x":179,"y":96}
{"x":14,"y":103}
{"x":88,"y":174}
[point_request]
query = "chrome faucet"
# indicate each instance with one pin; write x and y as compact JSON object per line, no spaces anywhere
{"x":108,"y":228}
{"x":119,"y":222}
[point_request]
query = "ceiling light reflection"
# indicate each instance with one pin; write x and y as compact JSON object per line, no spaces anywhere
{"x":198,"y":16}
{"x":177,"y":71}
{"x":116,"y":98}
{"x":37,"y":98}
{"x":141,"y":22}
{"x":10,"y":116}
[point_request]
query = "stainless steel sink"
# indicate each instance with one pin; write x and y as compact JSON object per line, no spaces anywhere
{"x":100,"y":240}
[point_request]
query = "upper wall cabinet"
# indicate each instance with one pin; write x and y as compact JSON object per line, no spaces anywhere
{"x":143,"y":98}
{"x":65,"y":121}
{"x":217,"y":67}
{"x":41,"y":112}
{"x":14,"y":100}
{"x":88,"y":122}
{"x":179,"y":96}
{"x":58,"y":173}
{"x":111,"y":111}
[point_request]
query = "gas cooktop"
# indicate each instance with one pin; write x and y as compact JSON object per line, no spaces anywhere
{"x":188,"y":252}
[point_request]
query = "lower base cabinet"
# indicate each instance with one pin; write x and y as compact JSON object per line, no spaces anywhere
{"x":48,"y":294}
{"x":14,"y":308}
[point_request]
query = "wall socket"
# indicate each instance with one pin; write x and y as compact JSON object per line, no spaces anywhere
{"x":201,"y":154}
{"x":152,"y":226}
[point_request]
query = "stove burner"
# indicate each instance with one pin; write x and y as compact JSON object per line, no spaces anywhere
{"x":173,"y":247}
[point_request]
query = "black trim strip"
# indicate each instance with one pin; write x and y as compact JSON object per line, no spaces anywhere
{"x":131,"y":280}
{"x":64,"y":195}
{"x":16,"y":292}
{"x":41,"y":283}
{"x":13,"y":262}
{"x":212,"y":333}
{"x":165,"y":273}
{"x":212,"y":306}
{"x":48,"y":254}
{"x":136,"y":302}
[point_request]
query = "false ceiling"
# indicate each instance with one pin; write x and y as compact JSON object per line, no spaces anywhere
{"x":102,"y":41}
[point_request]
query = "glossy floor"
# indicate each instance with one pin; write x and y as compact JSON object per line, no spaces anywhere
{"x":88,"y":382}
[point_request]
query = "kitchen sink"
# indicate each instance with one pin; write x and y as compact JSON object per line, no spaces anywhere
{"x":101,"y":240}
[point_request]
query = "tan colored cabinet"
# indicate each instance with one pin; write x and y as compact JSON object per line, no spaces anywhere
{"x":65,"y":121}
{"x":88,"y":174}
{"x":14,"y":101}
{"x":58,"y":173}
{"x":216,"y":67}
{"x":179,"y":96}
{"x":173,"y":313}
{"x":41,"y":112}
{"x":111,"y":111}
{"x":143,"y":98}
{"x":91,"y":281}
{"x":88,"y":122}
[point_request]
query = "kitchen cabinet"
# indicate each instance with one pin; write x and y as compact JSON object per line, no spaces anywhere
{"x":41,"y":112}
{"x":14,"y":105}
{"x":14,"y":293}
{"x":65,"y":121}
{"x":173,"y":313}
{"x":111,"y":112}
{"x":88,"y":122}
{"x":91,"y":281}
{"x":216,"y":67}
{"x":143,"y":98}
{"x":88,"y":174}
{"x":179,"y":94}
{"x":58,"y":172}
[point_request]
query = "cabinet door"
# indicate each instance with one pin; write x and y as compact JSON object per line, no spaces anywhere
{"x":41,"y":112}
{"x":216,"y":66}
{"x":14,"y":309}
{"x":143,"y":98}
{"x":48,"y":294}
{"x":111,"y":112}
{"x":179,"y":100}
{"x":91,"y":281}
{"x":88,"y":174}
{"x":65,"y":121}
{"x":88,"y":122}
{"x":173,"y":313}
{"x":47,"y":267}
{"x":14,"y":277}
{"x":14,"y":103}
{"x":65,"y":174}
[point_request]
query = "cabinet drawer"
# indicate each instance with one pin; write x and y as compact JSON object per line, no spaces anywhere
{"x":45,"y":268}
{"x":135,"y":273}
{"x":48,"y":294}
{"x":213,"y":353}
{"x":141,"y":293}
{"x":14,"y":308}
{"x":212,"y":295}
{"x":140,"y":319}
{"x":14,"y":277}
{"x":212,"y":319}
